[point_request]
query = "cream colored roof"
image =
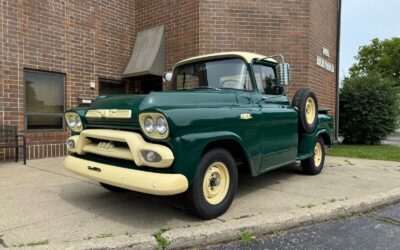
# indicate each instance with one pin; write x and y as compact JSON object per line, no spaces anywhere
{"x":247,"y":56}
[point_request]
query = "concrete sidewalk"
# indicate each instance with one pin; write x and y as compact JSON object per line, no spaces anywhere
{"x":44,"y":204}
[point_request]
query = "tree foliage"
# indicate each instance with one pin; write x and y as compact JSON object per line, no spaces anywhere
{"x":369,"y":109}
{"x":381,"y":57}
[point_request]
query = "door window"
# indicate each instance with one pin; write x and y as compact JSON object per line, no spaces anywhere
{"x":266,"y":80}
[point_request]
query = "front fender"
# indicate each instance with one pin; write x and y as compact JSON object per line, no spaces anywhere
{"x":188,"y":149}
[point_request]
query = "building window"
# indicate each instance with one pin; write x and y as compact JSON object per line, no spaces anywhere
{"x":44,"y":100}
{"x":111,"y":87}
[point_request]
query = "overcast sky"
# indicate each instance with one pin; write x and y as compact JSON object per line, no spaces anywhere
{"x":363,"y":20}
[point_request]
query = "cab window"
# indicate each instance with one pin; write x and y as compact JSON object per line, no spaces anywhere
{"x":266,"y":80}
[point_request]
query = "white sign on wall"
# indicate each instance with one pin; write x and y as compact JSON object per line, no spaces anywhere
{"x":323,"y":63}
{"x":325,"y":51}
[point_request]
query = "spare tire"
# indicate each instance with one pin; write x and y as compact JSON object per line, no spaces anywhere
{"x":306,"y":104}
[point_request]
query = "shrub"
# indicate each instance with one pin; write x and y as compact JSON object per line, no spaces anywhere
{"x":369,"y":109}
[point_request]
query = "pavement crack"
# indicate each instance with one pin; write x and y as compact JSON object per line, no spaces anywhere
{"x":349,"y":162}
{"x":384,"y":219}
{"x":2,"y":243}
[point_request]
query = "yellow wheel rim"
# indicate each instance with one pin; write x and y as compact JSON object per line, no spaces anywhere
{"x":310,"y":110}
{"x":216,"y":183}
{"x":317,"y":154}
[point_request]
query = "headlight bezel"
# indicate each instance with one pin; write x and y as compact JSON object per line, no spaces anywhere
{"x":155,"y":134}
{"x":77,"y":120}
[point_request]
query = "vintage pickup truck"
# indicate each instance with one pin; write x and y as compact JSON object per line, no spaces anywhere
{"x":220,"y":112}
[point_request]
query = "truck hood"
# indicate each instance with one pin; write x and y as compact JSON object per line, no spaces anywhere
{"x":131,"y":102}
{"x":185,"y":99}
{"x":165,"y":100}
{"x":157,"y":101}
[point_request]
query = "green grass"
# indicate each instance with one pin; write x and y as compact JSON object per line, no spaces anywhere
{"x":100,"y":236}
{"x":376,"y":152}
{"x":162,"y":242}
{"x":246,"y":237}
{"x":309,"y":205}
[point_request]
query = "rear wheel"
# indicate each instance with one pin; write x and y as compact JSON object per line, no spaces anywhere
{"x":113,"y":188}
{"x":214,"y":186}
{"x":315,"y":163}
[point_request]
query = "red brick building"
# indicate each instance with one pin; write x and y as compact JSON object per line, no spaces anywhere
{"x":55,"y":52}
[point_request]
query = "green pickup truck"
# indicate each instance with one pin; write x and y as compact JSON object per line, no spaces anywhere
{"x":220,"y":112}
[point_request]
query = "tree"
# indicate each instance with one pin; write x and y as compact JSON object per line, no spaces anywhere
{"x":381,"y":57}
{"x":369,"y":109}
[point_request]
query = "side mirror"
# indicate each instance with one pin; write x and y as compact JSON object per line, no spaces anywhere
{"x":284,"y":76}
{"x":167,"y":76}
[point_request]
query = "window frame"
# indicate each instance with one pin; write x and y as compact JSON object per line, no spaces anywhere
{"x":26,"y":114}
{"x":266,"y":64}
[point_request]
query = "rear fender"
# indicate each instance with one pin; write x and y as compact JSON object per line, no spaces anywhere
{"x":307,"y":141}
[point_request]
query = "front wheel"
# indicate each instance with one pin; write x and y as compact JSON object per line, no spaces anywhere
{"x":315,"y":163}
{"x":212,"y":191}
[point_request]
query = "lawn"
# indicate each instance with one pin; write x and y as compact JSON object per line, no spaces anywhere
{"x":378,"y":152}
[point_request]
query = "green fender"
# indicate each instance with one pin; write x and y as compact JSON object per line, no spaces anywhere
{"x":307,"y":141}
{"x":190,"y":147}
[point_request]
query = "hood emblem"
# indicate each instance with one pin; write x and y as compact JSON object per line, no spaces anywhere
{"x":245,"y":116}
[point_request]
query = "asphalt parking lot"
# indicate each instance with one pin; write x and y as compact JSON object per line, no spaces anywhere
{"x":41,"y":202}
{"x":375,"y":230}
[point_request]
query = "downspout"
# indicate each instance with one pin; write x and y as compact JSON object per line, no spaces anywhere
{"x":339,"y":10}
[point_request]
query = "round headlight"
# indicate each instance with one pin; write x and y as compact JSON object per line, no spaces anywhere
{"x":161,"y":125}
{"x":149,"y":125}
{"x":154,"y":125}
{"x":78,"y":122}
{"x":71,"y":121}
{"x":74,"y":121}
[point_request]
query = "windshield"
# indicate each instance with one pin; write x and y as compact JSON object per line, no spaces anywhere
{"x":221,"y":74}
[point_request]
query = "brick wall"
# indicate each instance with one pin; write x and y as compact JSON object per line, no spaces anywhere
{"x":84,"y":40}
{"x":265,"y":27}
{"x":92,"y":39}
{"x":181,"y":20}
{"x":296,"y":29}
{"x":323,"y":33}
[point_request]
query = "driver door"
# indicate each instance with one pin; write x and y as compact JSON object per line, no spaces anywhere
{"x":278,"y":120}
